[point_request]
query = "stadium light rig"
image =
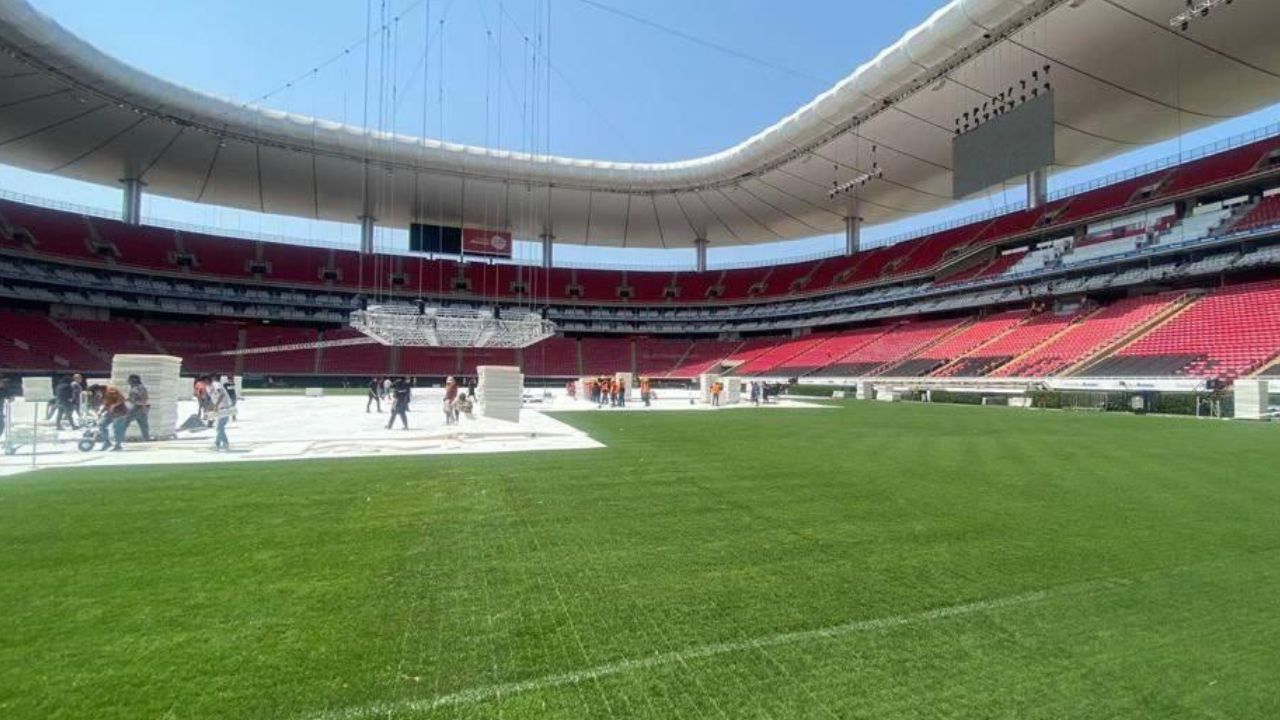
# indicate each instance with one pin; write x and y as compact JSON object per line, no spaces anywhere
{"x":1006,"y":100}
{"x":1195,"y":10}
{"x":857,"y":181}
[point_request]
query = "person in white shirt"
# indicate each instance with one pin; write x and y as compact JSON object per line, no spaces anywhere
{"x":221,"y":409}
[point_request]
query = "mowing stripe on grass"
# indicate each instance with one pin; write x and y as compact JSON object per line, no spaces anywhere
{"x":493,"y":692}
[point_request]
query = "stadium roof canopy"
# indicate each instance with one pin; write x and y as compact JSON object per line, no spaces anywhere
{"x":1122,"y":78}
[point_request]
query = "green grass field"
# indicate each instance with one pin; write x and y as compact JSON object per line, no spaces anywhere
{"x":869,"y":561}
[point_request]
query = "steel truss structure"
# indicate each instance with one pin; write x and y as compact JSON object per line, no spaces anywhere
{"x":403,"y":325}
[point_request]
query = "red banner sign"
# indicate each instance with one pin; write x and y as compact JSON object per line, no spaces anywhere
{"x":479,"y":241}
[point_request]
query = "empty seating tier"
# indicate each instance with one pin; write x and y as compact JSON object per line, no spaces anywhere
{"x":656,"y":357}
{"x":605,"y":356}
{"x":1016,"y":342}
{"x":367,"y":359}
{"x":772,"y":358}
{"x":1264,"y":214}
{"x":199,"y":345}
{"x":436,"y":362}
{"x":703,"y":357}
{"x":112,"y":337}
{"x":1088,"y":336}
{"x":553,"y":357}
{"x":890,"y":348}
{"x":280,"y":362}
{"x":31,"y":342}
{"x":1225,"y":334}
{"x":962,"y":343}
{"x":831,"y":351}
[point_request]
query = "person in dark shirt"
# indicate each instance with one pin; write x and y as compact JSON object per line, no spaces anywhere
{"x":139,"y":407}
{"x":400,"y":396}
{"x":62,"y":397}
{"x":375,"y":395}
{"x":229,"y":383}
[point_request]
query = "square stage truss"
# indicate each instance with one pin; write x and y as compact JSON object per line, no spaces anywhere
{"x":412,"y":326}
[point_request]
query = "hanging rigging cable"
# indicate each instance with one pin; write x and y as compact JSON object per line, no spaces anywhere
{"x":422,"y":148}
{"x":705,"y":43}
{"x":333,"y":59}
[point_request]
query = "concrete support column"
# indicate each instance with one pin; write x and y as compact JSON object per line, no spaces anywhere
{"x":1037,"y":188}
{"x":131,"y":207}
{"x":366,"y":233}
{"x":700,"y":250}
{"x":548,"y":242}
{"x":852,"y":235}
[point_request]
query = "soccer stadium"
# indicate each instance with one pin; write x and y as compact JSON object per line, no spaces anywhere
{"x":639,"y":359}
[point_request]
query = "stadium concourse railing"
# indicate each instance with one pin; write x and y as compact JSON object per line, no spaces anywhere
{"x":831,"y":307}
{"x":188,"y":297}
{"x":1012,"y":385}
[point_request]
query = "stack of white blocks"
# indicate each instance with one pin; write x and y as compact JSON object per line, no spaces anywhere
{"x":499,"y":391}
{"x":1252,"y":399}
{"x":731,"y":388}
{"x":160,"y":374}
{"x":732,"y":391}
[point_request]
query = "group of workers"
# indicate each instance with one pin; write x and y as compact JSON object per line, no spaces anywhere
{"x":399,"y":392}
{"x":605,"y":390}
{"x":106,"y":412}
{"x":113,"y":410}
{"x":456,"y":402}
{"x":612,"y":391}
{"x":77,"y":404}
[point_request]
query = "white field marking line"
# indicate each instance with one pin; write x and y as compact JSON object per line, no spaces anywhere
{"x":493,"y":692}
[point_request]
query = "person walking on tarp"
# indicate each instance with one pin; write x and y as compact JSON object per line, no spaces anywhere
{"x":450,"y":403}
{"x":221,"y":408}
{"x":400,"y":396}
{"x":139,"y":405}
{"x":375,"y":396}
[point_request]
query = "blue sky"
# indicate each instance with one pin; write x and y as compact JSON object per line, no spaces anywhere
{"x":620,"y":88}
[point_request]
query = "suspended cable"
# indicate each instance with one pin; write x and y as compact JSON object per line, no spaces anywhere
{"x":324,"y":64}
{"x":704,"y":43}
{"x":422,"y":150}
{"x":364,"y":179}
{"x":568,"y":83}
